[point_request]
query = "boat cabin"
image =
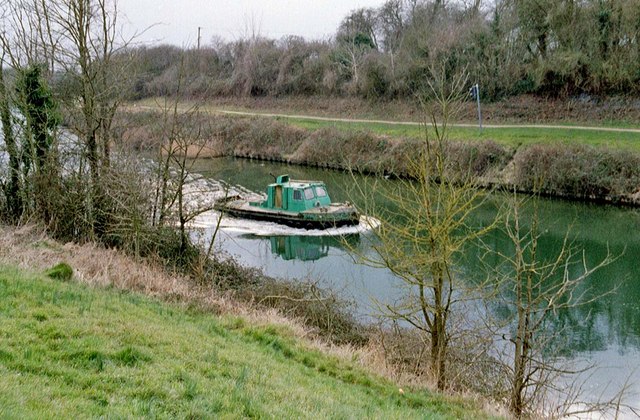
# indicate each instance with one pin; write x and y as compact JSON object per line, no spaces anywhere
{"x":294,"y":195}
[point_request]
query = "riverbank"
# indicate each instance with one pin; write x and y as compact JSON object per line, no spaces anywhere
{"x":149,"y":343}
{"x":559,"y":169}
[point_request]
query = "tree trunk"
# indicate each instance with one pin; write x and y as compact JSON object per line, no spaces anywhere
{"x":516,"y":404}
{"x":522,"y":340}
{"x":439,"y":329}
{"x":438,"y":351}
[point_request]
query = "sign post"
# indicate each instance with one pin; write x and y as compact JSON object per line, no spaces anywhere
{"x":475,"y":94}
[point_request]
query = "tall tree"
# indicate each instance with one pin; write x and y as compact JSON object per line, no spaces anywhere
{"x":36,"y":103}
{"x":88,"y":47}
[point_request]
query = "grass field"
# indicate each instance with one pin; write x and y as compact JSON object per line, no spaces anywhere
{"x":511,"y":136}
{"x":68,"y":350}
{"x":596,"y":135}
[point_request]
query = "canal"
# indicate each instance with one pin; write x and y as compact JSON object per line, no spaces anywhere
{"x":604,"y":332}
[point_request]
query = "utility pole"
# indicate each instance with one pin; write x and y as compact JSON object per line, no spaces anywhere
{"x":199,"y":28}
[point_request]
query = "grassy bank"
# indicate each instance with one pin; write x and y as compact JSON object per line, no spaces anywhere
{"x":73,"y":350}
{"x":595,"y":132}
{"x":508,"y":136}
{"x":523,"y":109}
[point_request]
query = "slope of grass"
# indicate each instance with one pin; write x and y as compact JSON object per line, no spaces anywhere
{"x":67,"y":350}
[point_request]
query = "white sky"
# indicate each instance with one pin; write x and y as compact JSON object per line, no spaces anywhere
{"x":177,"y":21}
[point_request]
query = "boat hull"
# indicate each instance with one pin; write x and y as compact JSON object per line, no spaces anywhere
{"x":336,"y":215}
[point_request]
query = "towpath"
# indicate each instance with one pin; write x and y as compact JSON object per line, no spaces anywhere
{"x":390,"y":122}
{"x":413,"y":123}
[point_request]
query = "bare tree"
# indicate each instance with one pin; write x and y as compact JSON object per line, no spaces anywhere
{"x":83,"y":38}
{"x":180,"y":143}
{"x":424,"y":227}
{"x":535,"y":289}
{"x":391,"y":23}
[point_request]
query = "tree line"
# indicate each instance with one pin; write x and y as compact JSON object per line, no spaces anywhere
{"x":509,"y":47}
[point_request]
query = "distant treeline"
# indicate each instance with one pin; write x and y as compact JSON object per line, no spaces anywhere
{"x":510,"y":47}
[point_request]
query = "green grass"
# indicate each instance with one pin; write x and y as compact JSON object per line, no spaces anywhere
{"x":505,"y":135}
{"x":67,"y":350}
{"x":510,"y":136}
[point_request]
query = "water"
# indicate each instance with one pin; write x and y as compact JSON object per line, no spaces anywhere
{"x":605,"y":332}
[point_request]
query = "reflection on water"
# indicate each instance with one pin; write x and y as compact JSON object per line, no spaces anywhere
{"x":605,"y":330}
{"x":612,"y":312}
{"x":305,"y":248}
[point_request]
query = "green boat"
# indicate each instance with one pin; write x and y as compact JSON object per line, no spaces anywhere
{"x":296,"y":203}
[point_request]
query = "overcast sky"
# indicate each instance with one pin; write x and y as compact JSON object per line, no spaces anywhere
{"x":177,"y":21}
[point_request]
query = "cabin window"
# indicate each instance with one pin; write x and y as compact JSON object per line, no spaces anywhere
{"x":297,"y":195}
{"x":321,"y":192}
{"x":308,"y":193}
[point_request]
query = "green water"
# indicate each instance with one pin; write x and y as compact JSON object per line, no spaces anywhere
{"x":605,"y":332}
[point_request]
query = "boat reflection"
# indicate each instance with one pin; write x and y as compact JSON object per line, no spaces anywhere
{"x":306,"y":248}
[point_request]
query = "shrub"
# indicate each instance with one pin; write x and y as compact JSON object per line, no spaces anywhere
{"x":577,"y":171}
{"x":331,"y":316}
{"x":61,"y":271}
{"x":475,"y":158}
